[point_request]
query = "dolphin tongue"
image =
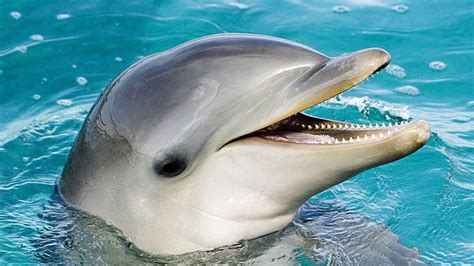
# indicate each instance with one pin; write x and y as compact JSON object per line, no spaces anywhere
{"x":298,"y":137}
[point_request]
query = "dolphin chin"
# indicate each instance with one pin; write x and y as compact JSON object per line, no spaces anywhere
{"x":204,"y":145}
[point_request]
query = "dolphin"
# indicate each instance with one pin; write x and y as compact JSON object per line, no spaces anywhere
{"x":205,"y":145}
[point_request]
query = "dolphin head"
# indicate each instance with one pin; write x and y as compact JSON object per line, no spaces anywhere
{"x":204,"y":145}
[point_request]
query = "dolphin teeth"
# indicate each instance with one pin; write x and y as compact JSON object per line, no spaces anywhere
{"x":334,"y":126}
{"x":346,"y":126}
{"x":352,"y":126}
{"x":323,"y":126}
{"x":376,"y":125}
{"x":383,"y":124}
{"x":365,"y":137}
{"x":358,"y":139}
{"x":328,"y":126}
{"x":310,"y":127}
{"x":316,"y":126}
{"x":373,"y":136}
{"x":340,"y":126}
{"x":381,"y":135}
{"x":364,"y":126}
{"x":390,"y":124}
{"x":336,"y":141}
{"x":303,"y":125}
{"x":351,"y":139}
{"x":359,"y":126}
{"x":344,"y":140}
{"x":370,"y":126}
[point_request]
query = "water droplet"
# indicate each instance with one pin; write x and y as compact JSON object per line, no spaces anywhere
{"x":396,"y":71}
{"x":37,"y":37}
{"x":64,"y":102}
{"x":340,"y":9}
{"x":36,"y":97}
{"x":22,"y":49}
{"x":437,"y":65}
{"x":238,"y":5}
{"x":408,"y":89}
{"x":81,"y":80}
{"x":400,"y":8}
{"x":74,"y":66}
{"x":118,"y":59}
{"x":15,"y":14}
{"x":62,"y":16}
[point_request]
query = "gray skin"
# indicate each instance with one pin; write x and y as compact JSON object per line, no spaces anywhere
{"x":165,"y":156}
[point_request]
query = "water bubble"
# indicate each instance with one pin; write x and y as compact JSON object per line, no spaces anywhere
{"x":408,"y":89}
{"x":22,"y":49}
{"x":396,"y":71}
{"x":62,"y":16}
{"x":25,"y":159}
{"x":36,"y":97}
{"x":400,"y":8}
{"x":64,"y":102}
{"x":81,"y":80}
{"x":340,"y":9}
{"x":118,"y":59}
{"x":74,"y":66}
{"x":15,"y":14}
{"x":37,"y":37}
{"x":437,"y":65}
{"x":44,"y":79}
{"x":238,"y":5}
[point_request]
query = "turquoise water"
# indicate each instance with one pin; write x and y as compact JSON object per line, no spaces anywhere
{"x":56,"y":57}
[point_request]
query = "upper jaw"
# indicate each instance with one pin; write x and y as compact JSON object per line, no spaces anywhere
{"x":322,"y":82}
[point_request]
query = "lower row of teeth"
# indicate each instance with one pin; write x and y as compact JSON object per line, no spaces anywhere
{"x":379,"y":135}
{"x":349,"y":126}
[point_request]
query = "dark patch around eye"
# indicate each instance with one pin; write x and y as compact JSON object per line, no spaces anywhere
{"x":170,"y":167}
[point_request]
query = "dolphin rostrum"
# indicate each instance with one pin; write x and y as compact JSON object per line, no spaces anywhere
{"x":205,"y":144}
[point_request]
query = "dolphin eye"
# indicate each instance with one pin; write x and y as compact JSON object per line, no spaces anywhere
{"x":170,"y":167}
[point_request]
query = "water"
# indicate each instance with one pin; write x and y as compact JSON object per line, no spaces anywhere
{"x":56,"y":57}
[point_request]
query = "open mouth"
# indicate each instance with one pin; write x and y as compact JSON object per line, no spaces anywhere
{"x":304,"y":129}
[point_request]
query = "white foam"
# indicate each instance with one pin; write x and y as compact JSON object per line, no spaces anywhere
{"x":396,"y":71}
{"x":15,"y":14}
{"x":22,"y":49}
{"x":340,"y":9}
{"x":37,"y":37}
{"x":437,"y":65}
{"x":400,"y":8}
{"x":408,"y":89}
{"x":81,"y":80}
{"x":64,"y":102}
{"x":62,"y":16}
{"x":364,"y":104}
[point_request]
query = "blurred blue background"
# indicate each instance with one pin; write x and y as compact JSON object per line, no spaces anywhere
{"x":57,"y":56}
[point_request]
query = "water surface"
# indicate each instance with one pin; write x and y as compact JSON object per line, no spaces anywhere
{"x":56,"y":57}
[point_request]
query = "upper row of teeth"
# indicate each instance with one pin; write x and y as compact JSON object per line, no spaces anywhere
{"x":350,"y":126}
